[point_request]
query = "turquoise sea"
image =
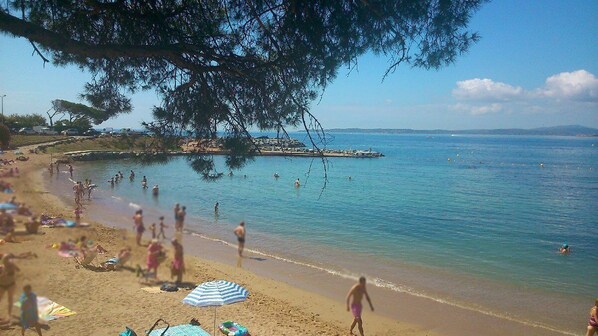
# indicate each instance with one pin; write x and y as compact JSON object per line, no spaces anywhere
{"x":473,"y":221}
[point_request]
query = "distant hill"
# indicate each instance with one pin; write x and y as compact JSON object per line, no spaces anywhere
{"x":571,"y":130}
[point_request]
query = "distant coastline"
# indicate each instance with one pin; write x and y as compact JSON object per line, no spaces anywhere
{"x":570,"y":130}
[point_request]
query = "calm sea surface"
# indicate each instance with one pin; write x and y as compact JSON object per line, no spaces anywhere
{"x":471,"y":220}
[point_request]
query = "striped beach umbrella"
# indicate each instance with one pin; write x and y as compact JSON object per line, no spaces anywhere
{"x":216,"y":293}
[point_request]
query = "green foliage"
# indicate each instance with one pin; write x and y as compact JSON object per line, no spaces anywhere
{"x":233,"y":65}
{"x":80,"y":112}
{"x":4,"y":137}
{"x":16,"y":121}
{"x":81,"y":124}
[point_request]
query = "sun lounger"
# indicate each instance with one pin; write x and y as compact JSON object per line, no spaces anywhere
{"x":87,"y":260}
{"x":115,"y":263}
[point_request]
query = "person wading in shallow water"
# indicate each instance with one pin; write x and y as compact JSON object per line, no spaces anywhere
{"x":357,"y":292}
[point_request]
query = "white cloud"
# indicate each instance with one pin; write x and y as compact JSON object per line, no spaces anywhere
{"x":578,"y":85}
{"x":564,"y":92}
{"x":478,"y":109}
{"x":486,"y":90}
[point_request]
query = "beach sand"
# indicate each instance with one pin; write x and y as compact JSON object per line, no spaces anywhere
{"x":283,"y":299}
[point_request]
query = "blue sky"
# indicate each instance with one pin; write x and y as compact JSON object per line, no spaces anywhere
{"x":536,"y":65}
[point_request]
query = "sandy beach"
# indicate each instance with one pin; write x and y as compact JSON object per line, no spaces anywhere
{"x":284,"y":299}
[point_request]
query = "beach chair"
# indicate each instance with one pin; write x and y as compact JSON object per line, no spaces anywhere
{"x":190,"y":329}
{"x":130,"y":332}
{"x":88,"y":258}
{"x":115,"y":263}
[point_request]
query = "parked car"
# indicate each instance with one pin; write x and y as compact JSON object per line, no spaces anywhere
{"x":26,"y":130}
{"x":47,"y":131}
{"x":71,"y":131}
{"x":91,"y":132}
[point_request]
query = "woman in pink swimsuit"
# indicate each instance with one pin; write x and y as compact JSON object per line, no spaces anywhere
{"x":153,"y":252}
{"x":593,"y":322}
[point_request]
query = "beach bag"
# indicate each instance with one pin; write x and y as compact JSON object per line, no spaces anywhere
{"x":169,"y":287}
{"x":230,"y":328}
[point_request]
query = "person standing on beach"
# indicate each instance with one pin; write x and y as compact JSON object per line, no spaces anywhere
{"x":162,"y":227}
{"x":153,"y":253}
{"x":180,"y":220}
{"x":357,"y":292}
{"x":8,"y":280}
{"x":593,"y":322}
{"x":176,"y":209}
{"x":240,"y":233}
{"x":177,"y":268}
{"x":138,"y":224}
{"x":29,"y":313}
{"x":71,"y":170}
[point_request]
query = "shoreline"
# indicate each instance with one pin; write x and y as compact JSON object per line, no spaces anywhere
{"x":117,"y":300}
{"x":333,"y":287}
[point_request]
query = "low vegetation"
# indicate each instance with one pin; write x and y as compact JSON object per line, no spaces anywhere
{"x":18,"y":140}
{"x":117,"y":143}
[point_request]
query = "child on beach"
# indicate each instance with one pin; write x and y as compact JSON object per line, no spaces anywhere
{"x":162,"y":227}
{"x":153,"y":230}
{"x":29,"y":315}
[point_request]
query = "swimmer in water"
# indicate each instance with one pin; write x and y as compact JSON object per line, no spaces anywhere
{"x":565,"y":249}
{"x":155,"y":190}
{"x":297,"y":183}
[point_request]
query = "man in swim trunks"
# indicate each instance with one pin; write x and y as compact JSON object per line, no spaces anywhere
{"x":240,"y":233}
{"x":357,"y":292}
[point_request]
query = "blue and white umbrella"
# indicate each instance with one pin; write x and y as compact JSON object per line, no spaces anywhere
{"x":216,"y":293}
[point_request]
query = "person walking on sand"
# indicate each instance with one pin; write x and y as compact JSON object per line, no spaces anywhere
{"x":357,"y":292}
{"x":29,"y":313}
{"x":593,"y":322}
{"x":8,"y":280}
{"x":177,"y":268}
{"x":138,"y":225}
{"x":71,"y":170}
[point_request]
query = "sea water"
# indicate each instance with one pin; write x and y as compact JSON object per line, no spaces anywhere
{"x":473,"y":221}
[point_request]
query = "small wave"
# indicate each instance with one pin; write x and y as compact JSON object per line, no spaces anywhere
{"x":381,"y":283}
{"x":134,"y":205}
{"x":118,"y":198}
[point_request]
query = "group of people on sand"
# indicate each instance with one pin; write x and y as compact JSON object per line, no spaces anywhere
{"x":9,"y":269}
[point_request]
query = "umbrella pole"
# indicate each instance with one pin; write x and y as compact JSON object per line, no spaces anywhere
{"x":214,"y":321}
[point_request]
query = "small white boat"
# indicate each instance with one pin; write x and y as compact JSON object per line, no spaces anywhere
{"x":367,"y":154}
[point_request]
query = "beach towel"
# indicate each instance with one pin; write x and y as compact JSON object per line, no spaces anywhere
{"x":152,"y":290}
{"x":181,"y":330}
{"x":68,"y":250}
{"x":49,"y":310}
